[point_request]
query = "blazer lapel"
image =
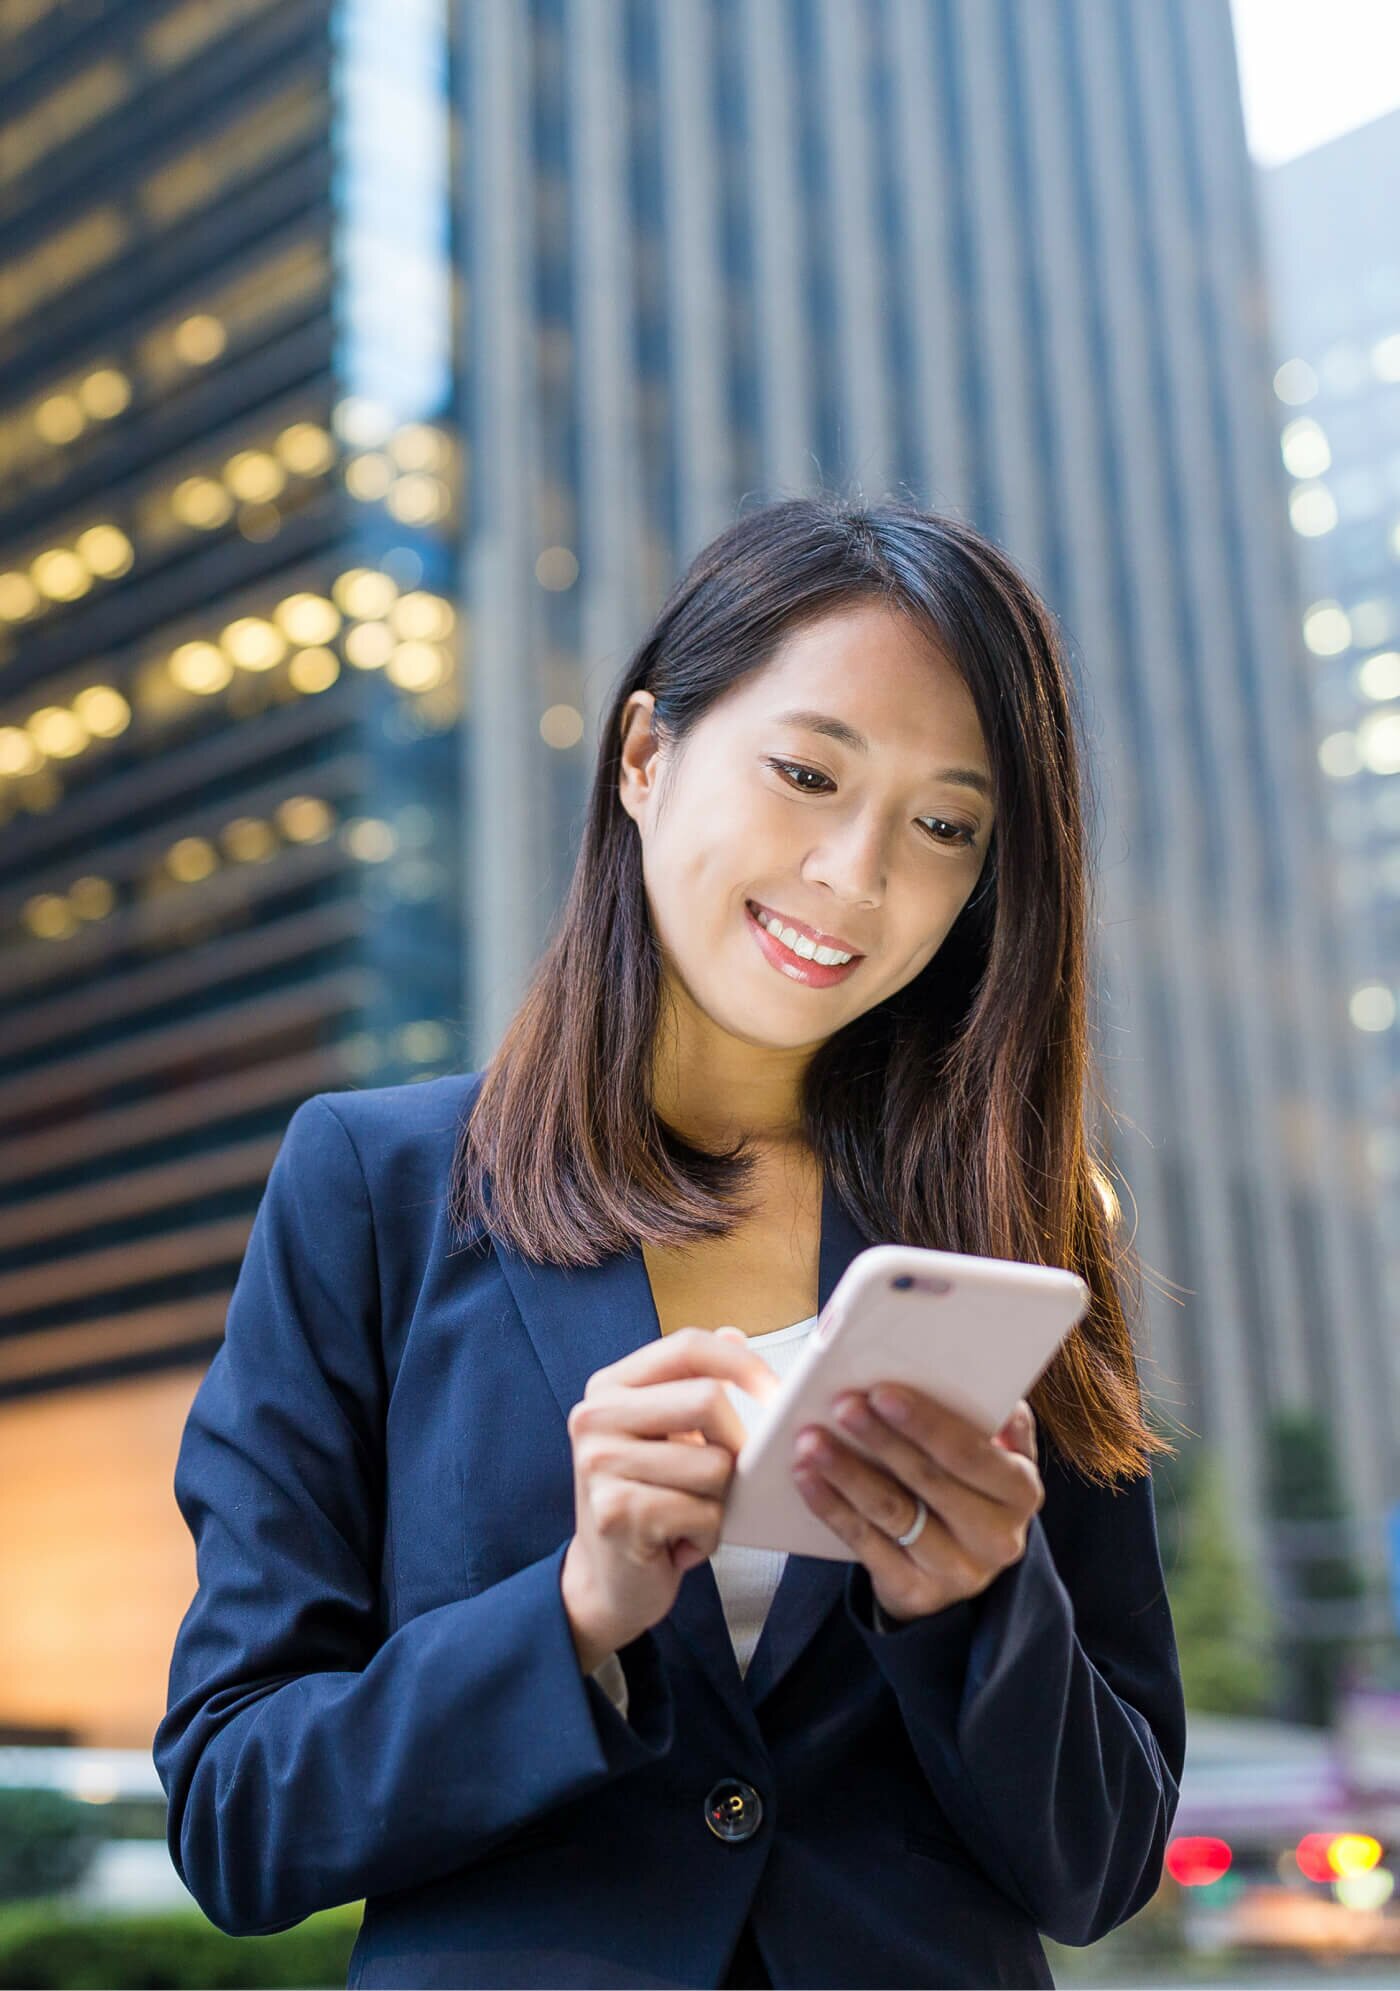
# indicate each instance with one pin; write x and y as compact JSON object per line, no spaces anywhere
{"x":580,"y":1319}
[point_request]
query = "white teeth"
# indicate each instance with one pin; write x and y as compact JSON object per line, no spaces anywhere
{"x":826,"y":957}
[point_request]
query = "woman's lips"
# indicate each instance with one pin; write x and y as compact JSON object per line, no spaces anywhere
{"x":811,"y":973}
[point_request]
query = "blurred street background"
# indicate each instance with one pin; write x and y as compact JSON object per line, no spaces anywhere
{"x":368,"y":371}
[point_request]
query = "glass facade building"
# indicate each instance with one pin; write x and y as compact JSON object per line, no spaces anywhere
{"x":368,"y":371}
{"x":1334,"y":273}
{"x":230,"y":873}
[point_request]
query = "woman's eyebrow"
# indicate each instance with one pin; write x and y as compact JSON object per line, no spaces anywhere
{"x":847,"y":736}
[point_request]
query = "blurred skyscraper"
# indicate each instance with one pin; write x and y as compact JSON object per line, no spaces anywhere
{"x":1332,"y":225}
{"x":229,"y":808}
{"x":998,"y":255}
{"x":1004,"y":257}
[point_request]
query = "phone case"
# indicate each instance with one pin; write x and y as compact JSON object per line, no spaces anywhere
{"x":973,"y":1332}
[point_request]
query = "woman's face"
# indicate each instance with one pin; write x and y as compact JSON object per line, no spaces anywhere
{"x":871,"y":849}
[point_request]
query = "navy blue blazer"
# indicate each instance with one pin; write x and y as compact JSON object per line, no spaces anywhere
{"x":374,"y":1692}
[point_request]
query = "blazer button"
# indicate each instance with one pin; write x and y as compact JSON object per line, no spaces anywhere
{"x":734,"y":1809}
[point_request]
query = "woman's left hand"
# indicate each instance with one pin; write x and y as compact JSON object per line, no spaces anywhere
{"x":981,"y":1493}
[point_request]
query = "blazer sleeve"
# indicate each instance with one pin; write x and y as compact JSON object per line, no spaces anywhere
{"x":1047,"y":1712}
{"x":308,"y":1760}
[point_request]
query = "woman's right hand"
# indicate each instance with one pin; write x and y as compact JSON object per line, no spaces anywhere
{"x":654,"y":1441}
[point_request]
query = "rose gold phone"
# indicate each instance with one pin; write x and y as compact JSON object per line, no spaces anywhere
{"x":973,"y":1332}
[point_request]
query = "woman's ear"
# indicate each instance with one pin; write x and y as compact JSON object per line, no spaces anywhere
{"x":640,"y":768}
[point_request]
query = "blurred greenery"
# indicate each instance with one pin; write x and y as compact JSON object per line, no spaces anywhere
{"x":48,"y":1840}
{"x":48,"y":1945}
{"x":1304,"y":1487}
{"x":1224,"y":1627}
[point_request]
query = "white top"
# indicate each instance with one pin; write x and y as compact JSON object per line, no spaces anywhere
{"x":747,"y":1578}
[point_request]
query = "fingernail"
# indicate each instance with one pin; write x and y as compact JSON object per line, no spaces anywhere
{"x":891,"y":1404}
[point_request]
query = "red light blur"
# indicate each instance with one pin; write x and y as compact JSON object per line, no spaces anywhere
{"x":1312,"y":1856}
{"x":1197,"y":1862}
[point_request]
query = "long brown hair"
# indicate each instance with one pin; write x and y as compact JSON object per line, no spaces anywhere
{"x":962,"y":1112}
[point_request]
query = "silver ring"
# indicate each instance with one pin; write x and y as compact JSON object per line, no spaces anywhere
{"x":916,"y":1526}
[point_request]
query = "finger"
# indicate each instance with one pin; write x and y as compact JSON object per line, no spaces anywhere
{"x":692,"y":1351}
{"x":655,"y":1410}
{"x":705,"y":1470}
{"x":952,"y":1441}
{"x":992,"y":1532}
{"x":1018,"y":1432}
{"x":935,"y":1552}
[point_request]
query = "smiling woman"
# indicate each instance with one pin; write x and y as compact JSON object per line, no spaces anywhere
{"x":858,"y":724}
{"x":468,"y":1643}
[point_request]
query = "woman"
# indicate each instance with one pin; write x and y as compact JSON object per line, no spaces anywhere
{"x":465,"y":1640}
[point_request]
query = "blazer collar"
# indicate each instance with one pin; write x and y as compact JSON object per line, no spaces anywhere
{"x":582,"y":1318}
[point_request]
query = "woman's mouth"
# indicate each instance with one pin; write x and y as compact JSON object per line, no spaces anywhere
{"x":785,"y":958}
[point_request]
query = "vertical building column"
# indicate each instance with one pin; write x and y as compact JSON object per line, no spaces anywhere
{"x":928,"y":260}
{"x":786,"y":416}
{"x":704,"y":474}
{"x":1002,"y":330}
{"x":864,"y":387}
{"x":502,"y":774}
{"x":610,"y":505}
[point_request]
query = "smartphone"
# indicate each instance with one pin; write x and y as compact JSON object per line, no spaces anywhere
{"x":974,"y":1332}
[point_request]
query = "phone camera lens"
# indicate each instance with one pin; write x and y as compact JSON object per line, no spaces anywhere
{"x":904,"y":1281}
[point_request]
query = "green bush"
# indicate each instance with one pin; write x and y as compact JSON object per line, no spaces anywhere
{"x":48,"y":1841}
{"x":51,"y":1946}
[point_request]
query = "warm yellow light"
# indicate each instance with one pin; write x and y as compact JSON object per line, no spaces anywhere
{"x":368,"y":477}
{"x":253,"y":643}
{"x":254,"y":476}
{"x":103,"y":710}
{"x":106,"y":549}
{"x":556,"y":569}
{"x":49,"y":917}
{"x":105,"y":393}
{"x":91,"y":897}
{"x":305,"y":819}
{"x":308,"y":618}
{"x":416,"y":666}
{"x":201,"y":502}
{"x":418,"y":446}
{"x":57,"y":732}
{"x":1353,"y":1852}
{"x":199,"y":339}
{"x":60,"y":574}
{"x":191,"y":859}
{"x":18,"y":753}
{"x":249,"y":839}
{"x":306,"y":449}
{"x":200,"y":667}
{"x":59,"y":419}
{"x":425,"y":617}
{"x":561,"y":726}
{"x":418,"y":499}
{"x":314,"y":670}
{"x":364,"y":592}
{"x":18,"y":597}
{"x":368,"y":646}
{"x":370,"y":839}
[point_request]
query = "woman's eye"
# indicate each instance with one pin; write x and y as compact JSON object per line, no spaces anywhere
{"x":959,"y":834}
